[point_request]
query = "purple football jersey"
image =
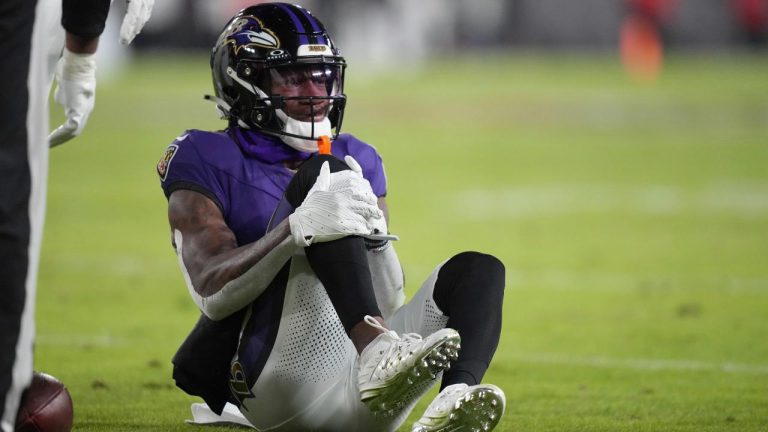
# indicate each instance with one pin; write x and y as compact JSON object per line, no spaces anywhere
{"x":242,"y":171}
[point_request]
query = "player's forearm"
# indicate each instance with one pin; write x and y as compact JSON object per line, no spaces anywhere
{"x":241,"y":291}
{"x":81,"y":45}
{"x":233,"y":279}
{"x":84,"y":18}
{"x":213,"y":272}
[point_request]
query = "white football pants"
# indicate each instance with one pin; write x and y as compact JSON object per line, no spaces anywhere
{"x":309,"y":381}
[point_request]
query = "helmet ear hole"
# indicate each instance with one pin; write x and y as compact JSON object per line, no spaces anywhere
{"x":261,"y":115}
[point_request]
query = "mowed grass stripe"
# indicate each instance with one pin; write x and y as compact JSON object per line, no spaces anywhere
{"x":631,"y":220}
{"x":639,"y":363}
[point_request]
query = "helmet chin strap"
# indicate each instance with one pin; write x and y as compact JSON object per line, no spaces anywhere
{"x":290,"y":124}
{"x":296,"y":127}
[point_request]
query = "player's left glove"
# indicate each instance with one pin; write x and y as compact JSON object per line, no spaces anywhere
{"x":76,"y":92}
{"x":327,"y":215}
{"x":136,"y":15}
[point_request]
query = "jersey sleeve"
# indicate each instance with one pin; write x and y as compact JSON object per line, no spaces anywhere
{"x":368,"y":158}
{"x":182,"y":167}
{"x":376,"y":176}
{"x":84,"y":18}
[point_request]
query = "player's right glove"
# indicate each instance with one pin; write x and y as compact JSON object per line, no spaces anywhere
{"x":76,"y":92}
{"x":330,"y":213}
{"x":136,"y":15}
{"x":379,"y":237}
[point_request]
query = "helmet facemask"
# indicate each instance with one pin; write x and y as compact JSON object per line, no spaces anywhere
{"x":299,"y":101}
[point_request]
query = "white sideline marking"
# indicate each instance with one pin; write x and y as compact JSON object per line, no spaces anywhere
{"x":745,"y":199}
{"x":569,"y":280}
{"x":641,"y":364}
{"x":77,"y":340}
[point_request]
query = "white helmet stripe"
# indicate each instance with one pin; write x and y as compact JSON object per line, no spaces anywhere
{"x":250,"y":87}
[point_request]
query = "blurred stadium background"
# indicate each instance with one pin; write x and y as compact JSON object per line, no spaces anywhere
{"x":397,"y":34}
{"x":612,"y":153}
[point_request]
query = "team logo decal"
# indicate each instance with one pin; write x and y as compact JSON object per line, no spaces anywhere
{"x":165,"y":161}
{"x":237,"y":383}
{"x":248,"y":31}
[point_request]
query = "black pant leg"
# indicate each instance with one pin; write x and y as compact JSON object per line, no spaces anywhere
{"x":16,"y":23}
{"x":470,"y":291}
{"x":341,"y":265}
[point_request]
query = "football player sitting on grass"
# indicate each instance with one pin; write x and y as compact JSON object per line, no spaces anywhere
{"x":286,"y":252}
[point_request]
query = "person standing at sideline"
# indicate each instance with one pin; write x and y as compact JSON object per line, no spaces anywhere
{"x":30,"y":43}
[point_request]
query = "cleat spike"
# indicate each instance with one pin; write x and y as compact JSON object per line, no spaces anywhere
{"x":468,"y":408}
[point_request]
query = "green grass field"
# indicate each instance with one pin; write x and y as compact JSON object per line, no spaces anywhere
{"x":632,"y":219}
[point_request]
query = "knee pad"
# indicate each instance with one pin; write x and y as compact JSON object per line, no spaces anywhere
{"x":481,"y":273}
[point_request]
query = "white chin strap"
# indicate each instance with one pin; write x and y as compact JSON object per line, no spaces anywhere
{"x":296,"y":127}
{"x":290,"y":125}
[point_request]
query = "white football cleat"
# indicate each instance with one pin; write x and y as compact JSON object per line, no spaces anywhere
{"x":395,"y":371}
{"x":460,"y":407}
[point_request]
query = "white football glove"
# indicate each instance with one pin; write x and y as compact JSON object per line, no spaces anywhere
{"x":136,"y":15}
{"x":353,"y":178}
{"x":76,"y":92}
{"x":327,"y":215}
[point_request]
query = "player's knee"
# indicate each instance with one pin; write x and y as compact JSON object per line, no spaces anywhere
{"x":482,"y":274}
{"x":477,"y":261}
{"x":476,"y":264}
{"x":311,"y":168}
{"x":305,"y":177}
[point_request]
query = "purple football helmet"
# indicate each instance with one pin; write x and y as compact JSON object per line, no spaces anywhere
{"x":272,"y":44}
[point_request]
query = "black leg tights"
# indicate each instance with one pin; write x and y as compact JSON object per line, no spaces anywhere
{"x":341,"y":265}
{"x":470,"y":291}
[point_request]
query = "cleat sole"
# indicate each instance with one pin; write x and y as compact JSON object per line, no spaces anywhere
{"x":479,"y":410}
{"x":425,"y":370}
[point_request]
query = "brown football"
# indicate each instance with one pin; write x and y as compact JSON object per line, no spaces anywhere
{"x":45,"y":407}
